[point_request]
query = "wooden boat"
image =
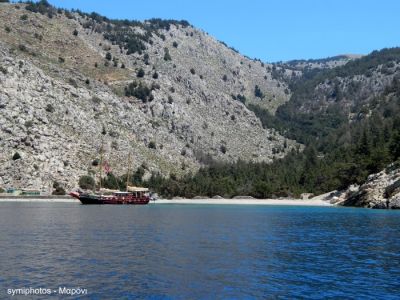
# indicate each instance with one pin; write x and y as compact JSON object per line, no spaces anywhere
{"x":133,"y":195}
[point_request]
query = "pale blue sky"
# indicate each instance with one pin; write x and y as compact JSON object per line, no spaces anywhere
{"x":272,"y":30}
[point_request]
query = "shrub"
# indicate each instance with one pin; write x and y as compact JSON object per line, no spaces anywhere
{"x":61,"y":59}
{"x":16,"y":156}
{"x":167,"y":56}
{"x":155,"y":86}
{"x":22,"y":47}
{"x":139,"y":91}
{"x":155,"y":75}
{"x":257,"y":92}
{"x":8,"y":29}
{"x":58,"y":189}
{"x":68,"y":14}
{"x":146,"y":58}
{"x":49,"y":108}
{"x":28,"y":124}
{"x":152,"y":145}
{"x":96,"y":64}
{"x":225,"y":78}
{"x":223,"y":149}
{"x":86,"y":182}
{"x":96,"y":100}
{"x":192,"y":71}
{"x":38,"y":36}
{"x":3,"y":70}
{"x":140,"y":73}
{"x":175,"y":44}
{"x":72,"y":82}
{"x":123,"y":66}
{"x":75,"y":33}
{"x":108,"y":56}
{"x":241,"y":98}
{"x":43,"y":7}
{"x":24,"y":17}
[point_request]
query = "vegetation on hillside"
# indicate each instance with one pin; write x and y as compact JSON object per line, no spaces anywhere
{"x":121,"y":32}
{"x":350,"y":154}
{"x":337,"y":152}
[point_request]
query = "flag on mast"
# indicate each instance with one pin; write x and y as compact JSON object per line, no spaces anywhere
{"x":107,"y":168}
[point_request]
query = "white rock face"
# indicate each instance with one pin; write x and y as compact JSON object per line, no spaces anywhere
{"x":381,"y":190}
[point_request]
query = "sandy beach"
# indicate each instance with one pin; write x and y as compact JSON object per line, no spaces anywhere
{"x":293,"y":202}
{"x":44,"y":199}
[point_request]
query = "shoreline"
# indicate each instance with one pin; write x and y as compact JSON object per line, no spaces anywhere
{"x":209,"y":201}
{"x":44,"y":199}
{"x":286,"y":202}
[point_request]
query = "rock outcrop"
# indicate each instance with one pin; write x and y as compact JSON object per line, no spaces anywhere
{"x":381,"y":190}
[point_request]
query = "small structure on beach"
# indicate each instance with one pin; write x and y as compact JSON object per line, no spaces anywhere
{"x":306,"y":196}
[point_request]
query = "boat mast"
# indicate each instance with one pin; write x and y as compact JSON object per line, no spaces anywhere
{"x":127,"y":175}
{"x":101,"y":162}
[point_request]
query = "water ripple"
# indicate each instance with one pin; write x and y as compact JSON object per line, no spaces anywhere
{"x":201,"y":252}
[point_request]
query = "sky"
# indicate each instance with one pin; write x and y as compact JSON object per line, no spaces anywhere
{"x":272,"y":30}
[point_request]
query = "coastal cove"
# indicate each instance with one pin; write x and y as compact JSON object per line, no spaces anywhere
{"x":199,"y":251}
{"x":147,"y":153}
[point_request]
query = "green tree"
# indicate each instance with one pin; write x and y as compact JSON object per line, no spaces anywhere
{"x":167,"y":56}
{"x":140,"y":73}
{"x":86,"y":182}
{"x":257,"y":92}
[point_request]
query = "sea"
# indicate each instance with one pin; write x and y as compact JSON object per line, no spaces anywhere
{"x":174,"y":251}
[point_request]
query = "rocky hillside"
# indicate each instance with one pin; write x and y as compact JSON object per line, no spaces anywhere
{"x":324,"y":63}
{"x":162,"y":90}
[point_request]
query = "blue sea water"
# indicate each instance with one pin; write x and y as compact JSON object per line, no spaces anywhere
{"x":200,"y":251}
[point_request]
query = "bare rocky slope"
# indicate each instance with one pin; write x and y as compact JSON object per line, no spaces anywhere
{"x":64,"y":92}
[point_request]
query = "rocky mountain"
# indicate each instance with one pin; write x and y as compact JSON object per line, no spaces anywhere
{"x":72,"y":84}
{"x":351,"y":86}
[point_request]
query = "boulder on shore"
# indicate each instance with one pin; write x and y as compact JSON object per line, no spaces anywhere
{"x":243,"y":197}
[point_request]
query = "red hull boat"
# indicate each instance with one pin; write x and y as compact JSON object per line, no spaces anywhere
{"x":134,"y":196}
